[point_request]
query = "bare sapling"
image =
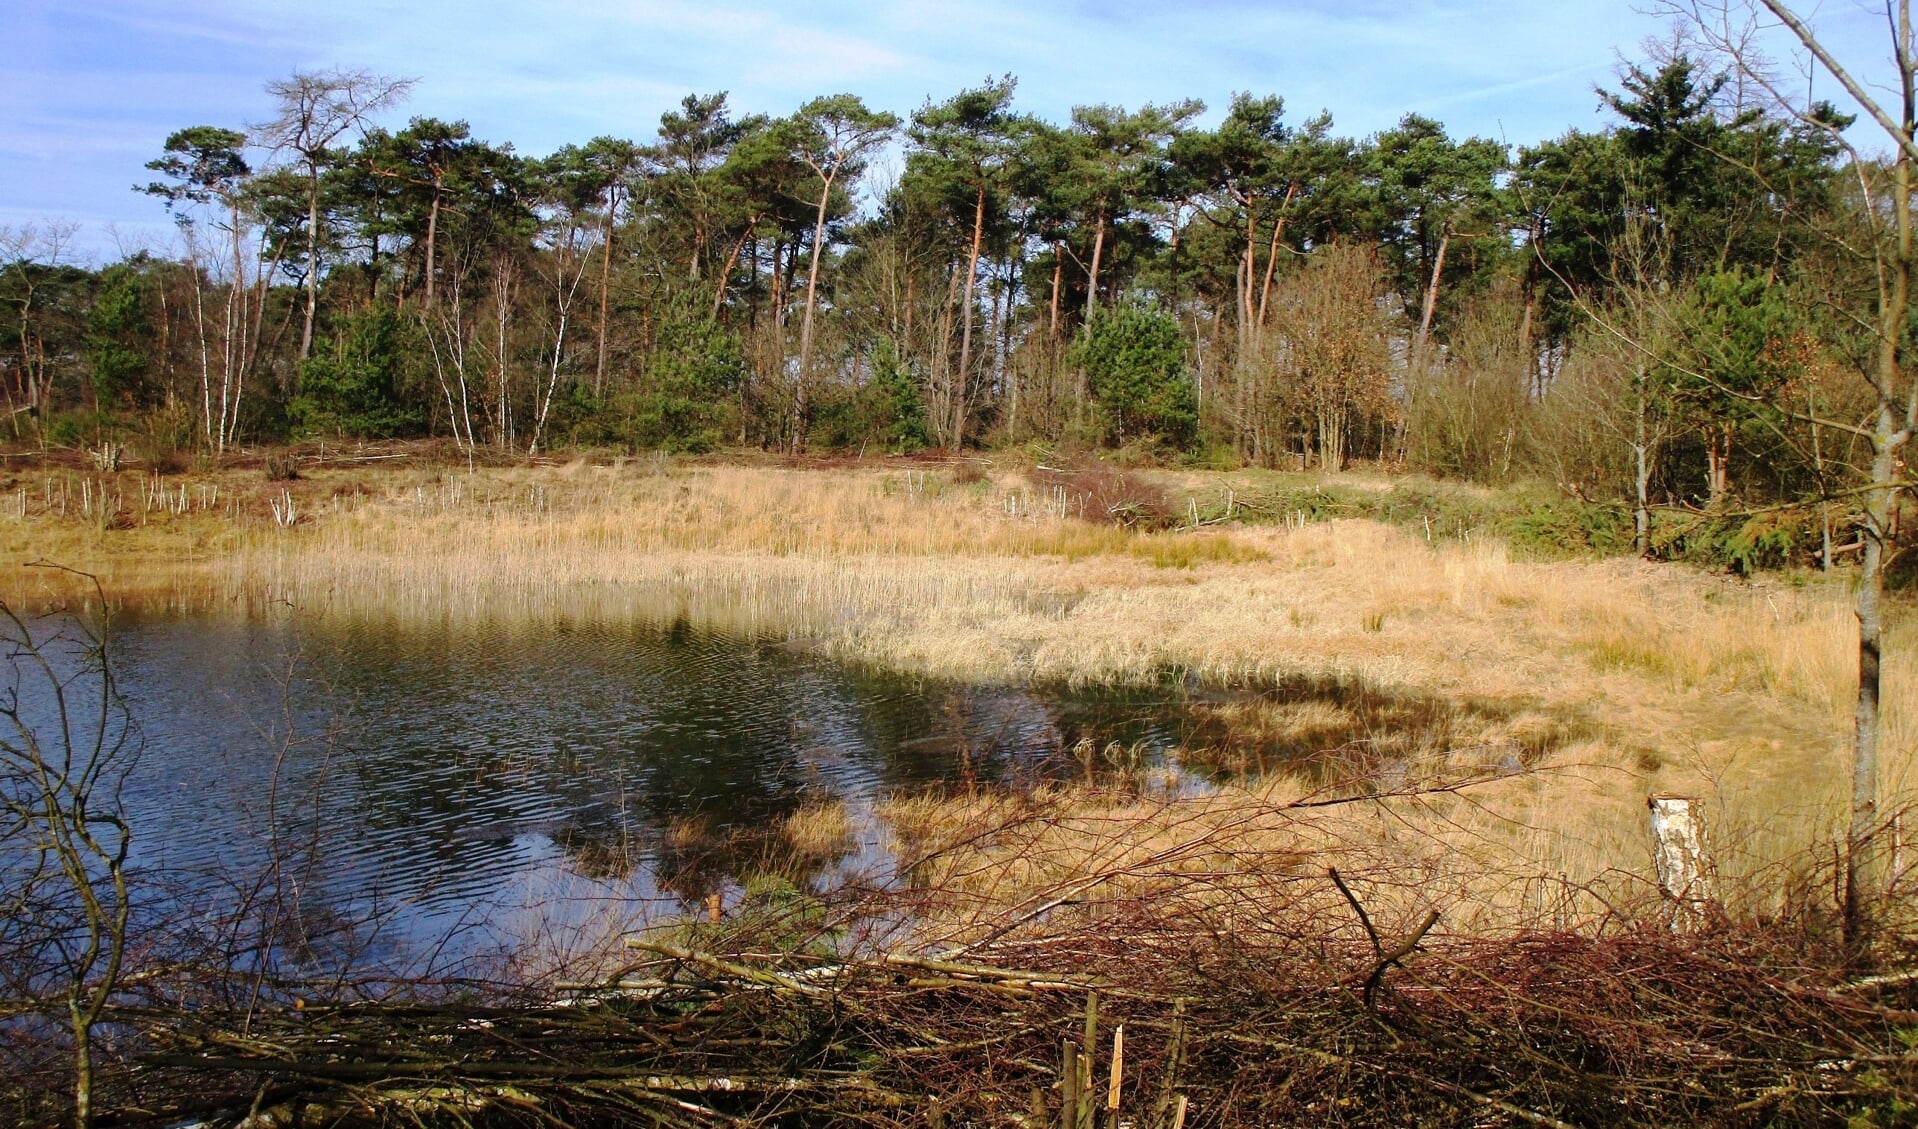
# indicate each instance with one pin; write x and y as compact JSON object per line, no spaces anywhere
{"x":65,"y":749}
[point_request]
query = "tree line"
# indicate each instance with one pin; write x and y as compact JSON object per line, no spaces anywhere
{"x":1659,"y":311}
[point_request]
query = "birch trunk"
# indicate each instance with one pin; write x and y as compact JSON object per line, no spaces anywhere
{"x":1679,"y":858}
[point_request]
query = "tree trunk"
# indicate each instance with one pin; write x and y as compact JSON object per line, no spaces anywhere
{"x":166,"y":345}
{"x":1246,"y":422}
{"x":1862,"y":879}
{"x":1718,"y":457}
{"x":1431,"y":291}
{"x":1246,"y":279}
{"x":800,"y":407}
{"x":1326,"y":438}
{"x":1098,"y":251}
{"x":961,"y":382}
{"x":605,"y":296}
{"x":1641,"y":470}
{"x":775,"y":291}
{"x":1272,"y":256}
{"x":503,"y":279}
{"x":940,"y":379}
{"x":1863,"y":872}
{"x":252,"y":336}
{"x":726,"y":273}
{"x":905,"y":329}
{"x":206,"y":351}
{"x":1013,"y":381}
{"x":1015,"y":270}
{"x":1058,"y":276}
{"x":28,"y":390}
{"x":312,"y":273}
{"x":545,"y":404}
{"x":432,"y":233}
{"x":82,"y":1076}
{"x":1525,"y":343}
{"x":235,"y":327}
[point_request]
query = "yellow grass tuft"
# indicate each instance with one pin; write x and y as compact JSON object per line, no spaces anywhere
{"x":818,"y":830}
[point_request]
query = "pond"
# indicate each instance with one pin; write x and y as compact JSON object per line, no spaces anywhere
{"x":468,"y":789}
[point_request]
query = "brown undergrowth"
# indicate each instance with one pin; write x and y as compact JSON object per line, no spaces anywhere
{"x":1278,"y":996}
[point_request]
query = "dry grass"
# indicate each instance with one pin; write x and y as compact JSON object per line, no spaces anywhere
{"x":821,"y":829}
{"x":1612,"y":678}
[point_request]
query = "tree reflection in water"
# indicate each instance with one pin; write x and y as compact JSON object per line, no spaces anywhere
{"x":457,"y":776}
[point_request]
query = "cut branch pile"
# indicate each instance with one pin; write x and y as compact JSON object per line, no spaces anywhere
{"x":1147,"y":1021}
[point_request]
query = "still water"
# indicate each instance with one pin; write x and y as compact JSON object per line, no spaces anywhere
{"x":470,"y":787}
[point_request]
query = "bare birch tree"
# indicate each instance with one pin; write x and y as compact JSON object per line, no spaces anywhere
{"x":565,"y":250}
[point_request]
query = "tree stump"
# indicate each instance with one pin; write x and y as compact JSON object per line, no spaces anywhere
{"x":1678,"y":852}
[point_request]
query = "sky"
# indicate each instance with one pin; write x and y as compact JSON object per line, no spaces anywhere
{"x":93,"y":87}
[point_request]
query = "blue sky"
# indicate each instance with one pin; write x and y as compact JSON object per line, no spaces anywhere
{"x":94,"y":86}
